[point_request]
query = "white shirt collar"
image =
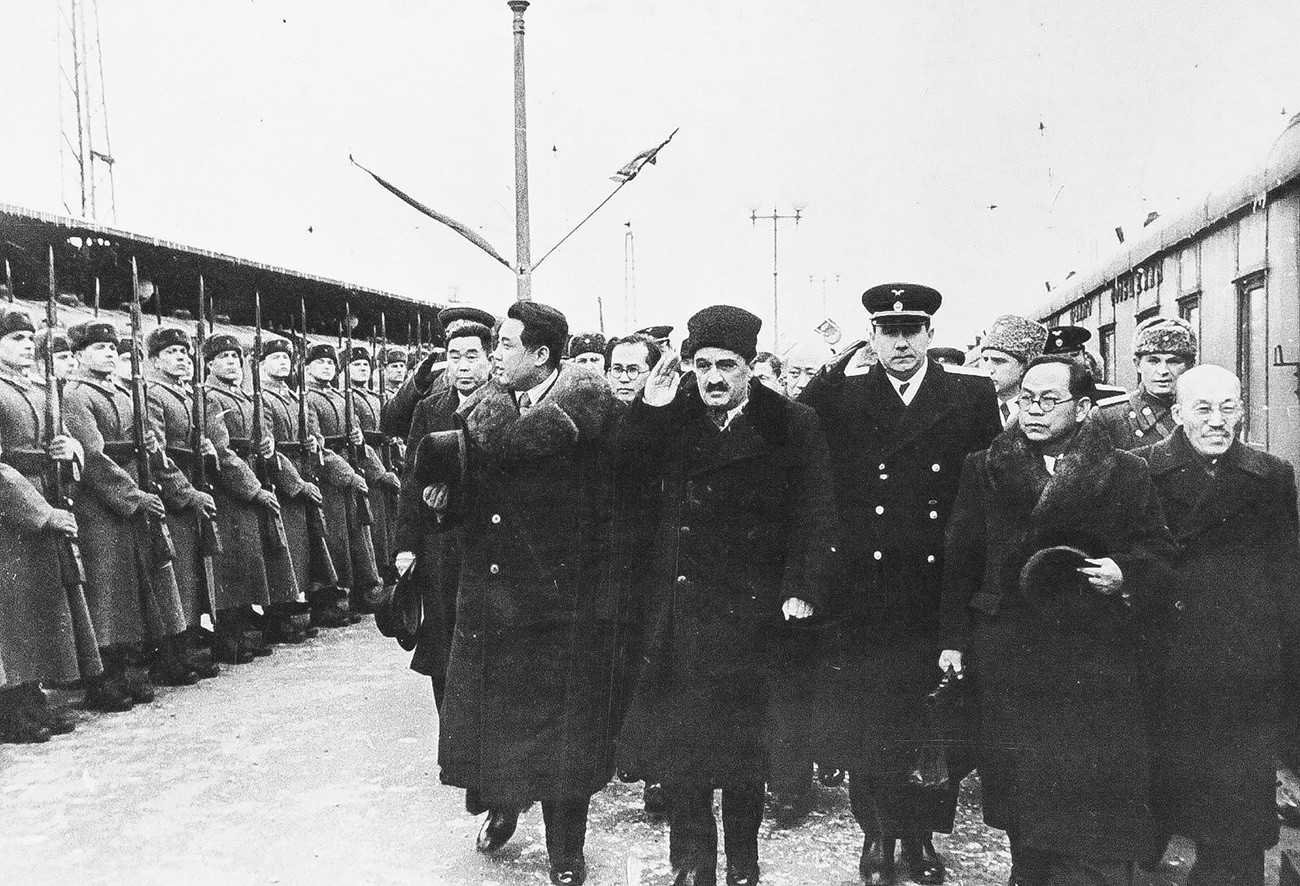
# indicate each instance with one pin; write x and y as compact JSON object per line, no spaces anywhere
{"x":537,"y":393}
{"x":1050,"y":462}
{"x":732,"y":413}
{"x":913,"y":383}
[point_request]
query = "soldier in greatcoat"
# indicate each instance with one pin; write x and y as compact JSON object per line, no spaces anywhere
{"x":130,"y":585}
{"x":433,"y":554}
{"x":45,"y":629}
{"x":1222,"y":631}
{"x":1163,"y":349}
{"x":254,"y":567}
{"x":898,"y":431}
{"x":743,"y":543}
{"x":528,"y":712}
{"x":298,"y":455}
{"x":344,"y":489}
{"x":1056,"y":544}
{"x":383,"y":482}
{"x":171,"y":409}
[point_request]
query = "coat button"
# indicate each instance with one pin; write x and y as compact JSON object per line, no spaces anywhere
{"x":681,"y":578}
{"x":934,"y":515}
{"x":686,"y":530}
{"x":877,"y":555}
{"x":1180,"y":605}
{"x":494,"y":569}
{"x":884,"y":476}
{"x":496,"y":518}
{"x":929,"y":558}
{"x":880,"y":509}
{"x":934,"y":468}
{"x":882,"y":466}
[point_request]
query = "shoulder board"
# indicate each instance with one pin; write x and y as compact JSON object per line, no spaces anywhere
{"x":1113,"y":400}
{"x":963,"y":370}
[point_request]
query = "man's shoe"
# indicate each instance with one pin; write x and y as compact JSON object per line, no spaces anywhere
{"x":20,"y":727}
{"x":695,"y":877}
{"x":654,"y":800}
{"x":877,"y":863}
{"x":227,"y":650}
{"x":107,"y":696}
{"x":569,"y":873}
{"x":37,"y":706}
{"x":328,"y":617}
{"x":924,"y":864}
{"x":256,"y":646}
{"x":498,"y":828}
{"x":139,"y":690}
{"x":742,"y":874}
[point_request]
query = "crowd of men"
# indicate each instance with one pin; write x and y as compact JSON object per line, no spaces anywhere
{"x":704,"y":568}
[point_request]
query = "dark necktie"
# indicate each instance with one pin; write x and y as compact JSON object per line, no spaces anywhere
{"x":525,"y":402}
{"x":1006,"y":413}
{"x":902,"y":390}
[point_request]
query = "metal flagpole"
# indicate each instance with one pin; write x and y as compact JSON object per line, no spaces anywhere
{"x":523,"y":258}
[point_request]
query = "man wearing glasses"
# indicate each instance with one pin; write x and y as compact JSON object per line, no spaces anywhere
{"x":897,"y":434}
{"x":1056,"y":541}
{"x":1222,"y":633}
{"x":630,"y":359}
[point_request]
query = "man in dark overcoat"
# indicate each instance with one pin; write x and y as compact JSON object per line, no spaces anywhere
{"x":528,"y":709}
{"x":1222,"y":631}
{"x":436,"y":555}
{"x":1055,"y":542}
{"x":898,"y":432}
{"x":744,"y":538}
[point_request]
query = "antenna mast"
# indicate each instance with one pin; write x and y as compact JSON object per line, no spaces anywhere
{"x":85,"y":155}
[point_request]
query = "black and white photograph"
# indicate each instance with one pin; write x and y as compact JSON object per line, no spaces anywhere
{"x":649,"y":443}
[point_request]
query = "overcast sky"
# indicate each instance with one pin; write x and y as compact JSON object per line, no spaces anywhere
{"x":893,"y":126}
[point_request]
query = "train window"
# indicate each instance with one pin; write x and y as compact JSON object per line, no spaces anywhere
{"x":1252,"y":357}
{"x":1106,"y":343}
{"x":1189,"y":308}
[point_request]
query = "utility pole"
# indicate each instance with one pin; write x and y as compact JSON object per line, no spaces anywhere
{"x":776,"y":219}
{"x":629,"y":278}
{"x":86,"y":157}
{"x":523,"y":258}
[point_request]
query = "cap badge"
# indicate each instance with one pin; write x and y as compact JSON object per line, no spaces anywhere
{"x":898,"y":305}
{"x":1060,"y":342}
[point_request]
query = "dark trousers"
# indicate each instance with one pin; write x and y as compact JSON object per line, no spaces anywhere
{"x":882,"y":803}
{"x":1040,"y":867}
{"x":693,"y":832}
{"x":1222,"y":866}
{"x":566,"y":829}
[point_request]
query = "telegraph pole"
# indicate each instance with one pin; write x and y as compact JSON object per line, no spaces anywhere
{"x":523,"y":259}
{"x":776,"y":219}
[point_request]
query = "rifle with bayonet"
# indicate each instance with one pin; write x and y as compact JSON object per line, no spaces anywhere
{"x":385,"y":441}
{"x":356,"y":453}
{"x":160,"y":540}
{"x":209,"y":539}
{"x":322,"y":566}
{"x":257,"y":434}
{"x":58,"y":484}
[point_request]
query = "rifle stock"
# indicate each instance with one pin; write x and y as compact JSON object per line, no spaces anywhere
{"x":261,"y":464}
{"x":355,"y":453}
{"x":209,"y":539}
{"x":322,"y":566}
{"x":161,"y":549}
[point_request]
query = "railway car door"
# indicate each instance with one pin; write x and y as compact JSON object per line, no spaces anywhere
{"x":1252,"y":357}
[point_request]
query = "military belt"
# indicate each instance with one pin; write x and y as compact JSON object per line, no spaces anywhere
{"x":184,"y":458}
{"x":121,"y":451}
{"x":27,"y":461}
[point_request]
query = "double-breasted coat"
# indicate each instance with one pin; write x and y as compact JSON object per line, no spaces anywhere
{"x":746,"y":521}
{"x":130,"y":587}
{"x":351,"y":546}
{"x":1221,"y":633}
{"x":304,"y":523}
{"x":1063,"y":741}
{"x":527,"y":713}
{"x":896,"y":470}
{"x":39,"y":636}
{"x":1136,"y":420}
{"x":254,"y":566}
{"x":437,"y":554}
{"x":383,"y":499}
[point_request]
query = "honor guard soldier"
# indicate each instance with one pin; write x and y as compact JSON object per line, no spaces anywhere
{"x":383,"y":482}
{"x":395,"y":367}
{"x":1163,"y":349}
{"x":56,"y":340}
{"x":588,"y":349}
{"x":254,"y":567}
{"x":298,"y":451}
{"x":1069,"y":341}
{"x":436,"y":555}
{"x":126,"y":549}
{"x":1010,"y":344}
{"x":657,"y":334}
{"x":171,"y":410}
{"x":897,"y":433}
{"x":44,"y":619}
{"x":345,"y":491}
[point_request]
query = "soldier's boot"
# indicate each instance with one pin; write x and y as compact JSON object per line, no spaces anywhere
{"x":170,"y":665}
{"x":228,"y":644}
{"x":17,"y":724}
{"x":363,"y":602}
{"x":103,"y":692}
{"x":203,"y":666}
{"x":253,"y":636}
{"x":140,"y":689}
{"x":280,"y":627}
{"x":37,"y":703}
{"x":325,"y":610}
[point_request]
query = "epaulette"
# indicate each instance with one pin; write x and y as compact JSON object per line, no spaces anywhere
{"x":1113,"y":400}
